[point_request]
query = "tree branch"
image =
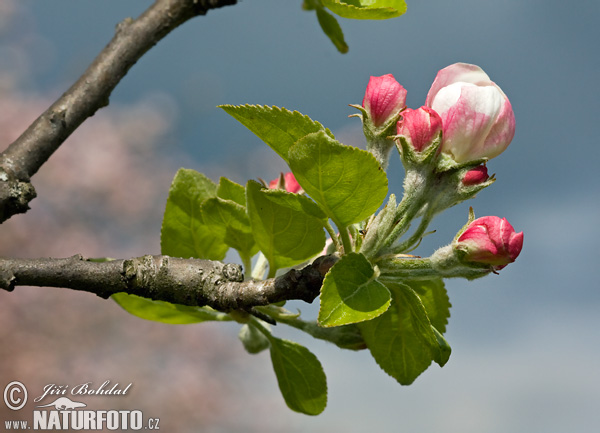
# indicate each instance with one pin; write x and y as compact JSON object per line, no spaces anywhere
{"x":190,"y":282}
{"x":133,"y":38}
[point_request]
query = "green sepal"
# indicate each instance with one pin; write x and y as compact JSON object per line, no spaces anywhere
{"x":402,"y":340}
{"x":413,"y":158}
{"x":449,"y":190}
{"x":345,"y":181}
{"x":229,"y":190}
{"x":230,"y":222}
{"x":332,"y":29}
{"x":300,"y":376}
{"x":351,"y":293}
{"x":366,"y":9}
{"x":183,"y":232}
{"x":278,"y":127}
{"x":446,"y":162}
{"x":165,"y":312}
{"x":284,"y":235}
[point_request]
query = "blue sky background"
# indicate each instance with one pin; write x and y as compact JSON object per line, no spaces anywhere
{"x":525,"y":343}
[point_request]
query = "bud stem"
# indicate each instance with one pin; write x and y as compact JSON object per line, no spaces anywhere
{"x":380,"y":148}
{"x":346,"y":242}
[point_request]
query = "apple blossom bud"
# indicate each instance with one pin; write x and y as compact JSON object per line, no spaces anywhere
{"x":477,"y":116}
{"x":384,"y":99}
{"x":419,"y":127}
{"x":490,"y":240}
{"x":287,"y":182}
{"x":475,"y":176}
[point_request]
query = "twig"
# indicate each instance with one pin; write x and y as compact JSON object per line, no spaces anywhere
{"x":190,"y":282}
{"x":133,"y":38}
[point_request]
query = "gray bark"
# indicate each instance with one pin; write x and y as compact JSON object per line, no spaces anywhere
{"x":190,"y":282}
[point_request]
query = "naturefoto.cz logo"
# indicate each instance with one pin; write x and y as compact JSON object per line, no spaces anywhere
{"x":61,"y":412}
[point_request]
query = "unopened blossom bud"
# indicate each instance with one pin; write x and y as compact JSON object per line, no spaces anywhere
{"x":476,"y":176}
{"x":490,"y":240}
{"x":419,"y":127}
{"x":287,"y":182}
{"x":477,"y":117}
{"x":384,"y":99}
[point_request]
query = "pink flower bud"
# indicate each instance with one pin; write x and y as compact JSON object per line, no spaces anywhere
{"x":420,"y":127}
{"x":477,"y":116}
{"x":490,"y":240}
{"x":384,"y":99}
{"x":286,"y":181}
{"x":476,"y":176}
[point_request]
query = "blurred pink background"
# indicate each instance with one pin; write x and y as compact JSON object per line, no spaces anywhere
{"x":102,"y":194}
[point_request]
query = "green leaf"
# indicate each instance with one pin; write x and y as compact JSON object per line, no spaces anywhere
{"x":229,"y":190}
{"x":351,"y":294}
{"x":285,"y":236}
{"x":435,"y":299}
{"x":402,"y":340}
{"x":366,"y":9}
{"x":445,"y":349}
{"x":300,"y":376}
{"x":165,"y":312}
{"x":253,"y":340}
{"x":345,"y":181}
{"x":296,"y":202}
{"x":230,"y":221}
{"x":278,"y":127}
{"x":183,"y":232}
{"x":332,"y":30}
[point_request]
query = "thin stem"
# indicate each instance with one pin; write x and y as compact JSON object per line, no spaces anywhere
{"x":332,"y":235}
{"x":247,"y":265}
{"x":345,"y":337}
{"x":258,"y":324}
{"x":397,"y":268}
{"x":416,"y":236}
{"x":258,"y":273}
{"x":380,"y":148}
{"x":407,"y":210}
{"x":416,"y":186}
{"x":356,"y":236}
{"x":346,"y":242}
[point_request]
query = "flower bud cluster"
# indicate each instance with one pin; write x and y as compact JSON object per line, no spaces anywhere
{"x":473,"y":113}
{"x":444,"y":145}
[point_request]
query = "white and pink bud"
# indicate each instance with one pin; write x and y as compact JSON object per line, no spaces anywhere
{"x":490,"y":240}
{"x":478,"y":120}
{"x":286,"y":182}
{"x":419,"y":127}
{"x":384,"y":99}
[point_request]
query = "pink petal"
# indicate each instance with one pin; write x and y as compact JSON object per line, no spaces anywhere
{"x":476,"y":176}
{"x":383,"y":98}
{"x":458,"y":72}
{"x":419,"y":126}
{"x":469,"y":120}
